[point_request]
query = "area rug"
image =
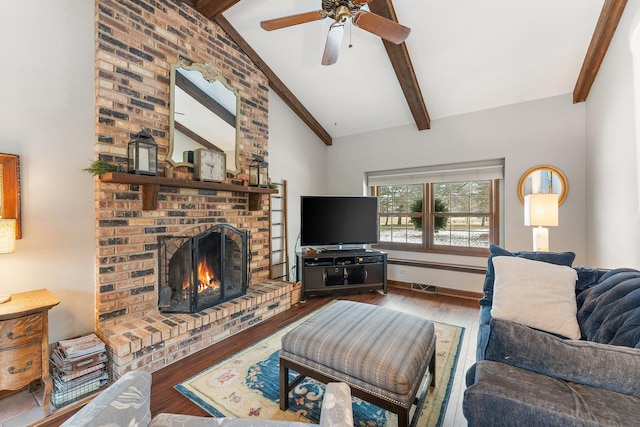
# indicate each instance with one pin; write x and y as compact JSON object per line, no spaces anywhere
{"x":246,"y":385}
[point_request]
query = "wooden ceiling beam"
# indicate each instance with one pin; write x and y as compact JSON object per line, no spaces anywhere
{"x":274,"y":81}
{"x":401,"y":62}
{"x":212,"y":8}
{"x":605,"y":29}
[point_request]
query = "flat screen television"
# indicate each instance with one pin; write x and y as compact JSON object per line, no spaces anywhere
{"x":338,"y":220}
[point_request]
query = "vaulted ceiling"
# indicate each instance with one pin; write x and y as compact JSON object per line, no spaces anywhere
{"x":461,"y":56}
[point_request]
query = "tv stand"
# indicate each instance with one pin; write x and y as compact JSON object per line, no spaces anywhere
{"x":341,"y":271}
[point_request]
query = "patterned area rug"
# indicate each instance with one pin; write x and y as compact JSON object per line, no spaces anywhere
{"x":246,"y":385}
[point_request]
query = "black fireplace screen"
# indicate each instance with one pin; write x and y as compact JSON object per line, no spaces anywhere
{"x":201,"y":271}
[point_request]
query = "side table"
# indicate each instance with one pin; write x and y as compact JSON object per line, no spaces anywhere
{"x":24,"y":341}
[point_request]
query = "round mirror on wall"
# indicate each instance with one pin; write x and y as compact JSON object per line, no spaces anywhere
{"x":543,"y":179}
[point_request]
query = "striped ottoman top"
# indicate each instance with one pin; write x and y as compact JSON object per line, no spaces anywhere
{"x":380,"y":346}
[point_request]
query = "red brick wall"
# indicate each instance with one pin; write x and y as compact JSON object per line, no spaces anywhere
{"x":136,"y":43}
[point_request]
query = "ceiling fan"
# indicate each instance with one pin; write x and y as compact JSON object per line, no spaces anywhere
{"x":341,"y":11}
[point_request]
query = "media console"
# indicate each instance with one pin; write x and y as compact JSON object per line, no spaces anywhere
{"x":342,"y":271}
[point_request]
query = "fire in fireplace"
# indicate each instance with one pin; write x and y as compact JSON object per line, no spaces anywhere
{"x":197,"y":272}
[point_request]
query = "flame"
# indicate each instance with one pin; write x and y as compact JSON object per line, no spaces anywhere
{"x":206,"y":278}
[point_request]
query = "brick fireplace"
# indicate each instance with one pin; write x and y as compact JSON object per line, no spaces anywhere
{"x":136,"y":43}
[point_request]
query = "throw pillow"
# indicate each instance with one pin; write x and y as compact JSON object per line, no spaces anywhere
{"x":558,"y":258}
{"x":536,"y":294}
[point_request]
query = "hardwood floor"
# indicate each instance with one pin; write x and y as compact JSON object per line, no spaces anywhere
{"x":455,"y":311}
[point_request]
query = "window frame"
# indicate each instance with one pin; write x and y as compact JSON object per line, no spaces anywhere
{"x":428,"y":216}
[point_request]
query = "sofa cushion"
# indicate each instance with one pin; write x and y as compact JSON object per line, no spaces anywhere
{"x":587,"y":277}
{"x":504,"y":395}
{"x":536,"y":294}
{"x":598,"y":365}
{"x":610,"y":311}
{"x":558,"y":258}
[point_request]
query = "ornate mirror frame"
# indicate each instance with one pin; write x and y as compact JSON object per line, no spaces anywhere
{"x":555,"y":179}
{"x":211,"y":74}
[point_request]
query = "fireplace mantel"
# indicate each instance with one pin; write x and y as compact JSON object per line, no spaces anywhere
{"x":150,"y":185}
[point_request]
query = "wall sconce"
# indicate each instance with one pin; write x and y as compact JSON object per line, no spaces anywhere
{"x":143,"y":154}
{"x":258,"y":173}
{"x":540,"y":211}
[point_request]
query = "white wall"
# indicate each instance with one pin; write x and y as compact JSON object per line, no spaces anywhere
{"x":297,"y":155}
{"x":613,"y":208}
{"x":47,"y":109}
{"x":549,"y":131}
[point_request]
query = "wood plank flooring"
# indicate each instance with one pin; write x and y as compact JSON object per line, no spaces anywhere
{"x":455,"y":311}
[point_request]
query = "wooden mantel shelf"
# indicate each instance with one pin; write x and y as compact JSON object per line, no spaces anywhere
{"x":150,"y":185}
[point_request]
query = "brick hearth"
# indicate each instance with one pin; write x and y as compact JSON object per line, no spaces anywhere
{"x":157,"y":340}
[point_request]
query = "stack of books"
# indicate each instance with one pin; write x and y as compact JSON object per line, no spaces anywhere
{"x":78,"y":367}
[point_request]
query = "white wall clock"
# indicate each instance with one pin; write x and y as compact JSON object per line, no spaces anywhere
{"x":209,"y":165}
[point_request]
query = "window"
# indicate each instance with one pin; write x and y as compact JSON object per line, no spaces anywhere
{"x":400,"y":213}
{"x":460,"y":216}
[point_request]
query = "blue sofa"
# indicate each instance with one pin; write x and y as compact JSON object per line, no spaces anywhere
{"x":526,"y":377}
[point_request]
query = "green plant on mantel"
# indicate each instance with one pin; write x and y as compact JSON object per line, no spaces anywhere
{"x":100,"y":167}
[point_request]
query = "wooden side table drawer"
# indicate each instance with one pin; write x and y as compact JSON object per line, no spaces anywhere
{"x":24,"y":341}
{"x":20,"y":331}
{"x":20,"y":366}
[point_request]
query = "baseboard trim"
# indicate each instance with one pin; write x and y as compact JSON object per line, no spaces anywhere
{"x":434,"y":290}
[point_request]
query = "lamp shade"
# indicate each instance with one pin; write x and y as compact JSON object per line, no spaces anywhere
{"x":541,"y":210}
{"x":7,"y":236}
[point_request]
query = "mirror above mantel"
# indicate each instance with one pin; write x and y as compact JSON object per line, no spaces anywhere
{"x":204,"y":111}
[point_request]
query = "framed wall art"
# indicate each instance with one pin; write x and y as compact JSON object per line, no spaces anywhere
{"x":10,"y":190}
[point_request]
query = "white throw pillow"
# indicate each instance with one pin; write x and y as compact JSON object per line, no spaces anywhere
{"x":536,"y":294}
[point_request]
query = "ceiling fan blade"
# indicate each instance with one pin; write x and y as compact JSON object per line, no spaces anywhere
{"x":361,"y":2}
{"x":380,"y":26}
{"x":334,"y":40}
{"x":288,"y":21}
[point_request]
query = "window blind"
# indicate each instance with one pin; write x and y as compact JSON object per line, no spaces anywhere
{"x":470,"y":171}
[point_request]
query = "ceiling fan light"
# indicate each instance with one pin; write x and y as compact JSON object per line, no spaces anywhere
{"x":342,"y":14}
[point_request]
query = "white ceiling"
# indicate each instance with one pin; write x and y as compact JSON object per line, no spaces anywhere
{"x":468,"y":55}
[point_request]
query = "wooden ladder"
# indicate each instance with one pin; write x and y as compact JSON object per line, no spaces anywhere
{"x":278,"y":246}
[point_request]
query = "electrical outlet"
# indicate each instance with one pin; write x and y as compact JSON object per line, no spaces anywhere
{"x":404,"y":271}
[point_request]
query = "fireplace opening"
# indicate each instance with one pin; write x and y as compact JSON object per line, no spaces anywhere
{"x":198,"y":272}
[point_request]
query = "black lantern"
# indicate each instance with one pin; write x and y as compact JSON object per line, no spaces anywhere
{"x":143,"y":153}
{"x":259,"y":173}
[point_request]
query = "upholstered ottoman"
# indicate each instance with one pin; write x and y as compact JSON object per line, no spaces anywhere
{"x":382,"y":354}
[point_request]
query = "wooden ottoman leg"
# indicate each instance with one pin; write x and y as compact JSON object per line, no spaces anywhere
{"x":284,"y":386}
{"x":403,"y":417}
{"x":432,"y":369}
